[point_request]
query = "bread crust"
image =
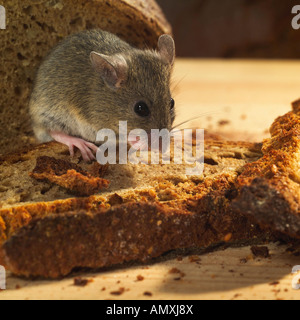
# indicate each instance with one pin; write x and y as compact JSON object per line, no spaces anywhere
{"x":53,"y":246}
{"x":269,"y":188}
{"x":69,"y":176}
{"x":51,"y":238}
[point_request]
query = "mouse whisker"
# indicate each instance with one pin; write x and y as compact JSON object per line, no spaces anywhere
{"x":194,"y":118}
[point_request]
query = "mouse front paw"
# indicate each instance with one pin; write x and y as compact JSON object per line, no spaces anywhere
{"x":86,"y":148}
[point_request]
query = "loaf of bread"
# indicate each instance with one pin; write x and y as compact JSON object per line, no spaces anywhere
{"x":34,"y":27}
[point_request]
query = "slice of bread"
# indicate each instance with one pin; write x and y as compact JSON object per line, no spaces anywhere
{"x":247,"y":193}
{"x":269,"y":188}
{"x":146,"y":210}
{"x":34,"y":27}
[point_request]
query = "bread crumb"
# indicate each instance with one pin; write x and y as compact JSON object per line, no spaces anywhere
{"x":223,"y":122}
{"x":177,"y":279}
{"x":139,"y":278}
{"x":261,"y":252}
{"x":237,"y":295}
{"x":119,"y":292}
{"x":243,"y":260}
{"x":175,"y":270}
{"x":80,"y":282}
{"x":194,"y":259}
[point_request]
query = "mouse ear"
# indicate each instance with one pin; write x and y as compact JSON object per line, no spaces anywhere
{"x":113,"y":69}
{"x":166,"y":48}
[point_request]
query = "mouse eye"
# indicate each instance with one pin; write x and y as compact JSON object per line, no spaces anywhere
{"x":172,"y":104}
{"x":141,"y":109}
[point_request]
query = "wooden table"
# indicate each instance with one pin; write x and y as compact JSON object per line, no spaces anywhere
{"x":238,"y":99}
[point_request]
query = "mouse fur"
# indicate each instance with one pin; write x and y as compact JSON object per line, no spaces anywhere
{"x":93,"y":79}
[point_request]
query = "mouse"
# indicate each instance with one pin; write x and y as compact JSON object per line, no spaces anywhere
{"x":93,"y":80}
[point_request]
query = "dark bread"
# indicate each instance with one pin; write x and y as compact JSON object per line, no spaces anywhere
{"x":146,"y":211}
{"x":53,"y":246}
{"x":269,"y":188}
{"x":34,"y":27}
{"x":70,"y":176}
{"x":248,"y":193}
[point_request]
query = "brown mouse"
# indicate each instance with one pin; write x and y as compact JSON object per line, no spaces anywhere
{"x":92,"y":80}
